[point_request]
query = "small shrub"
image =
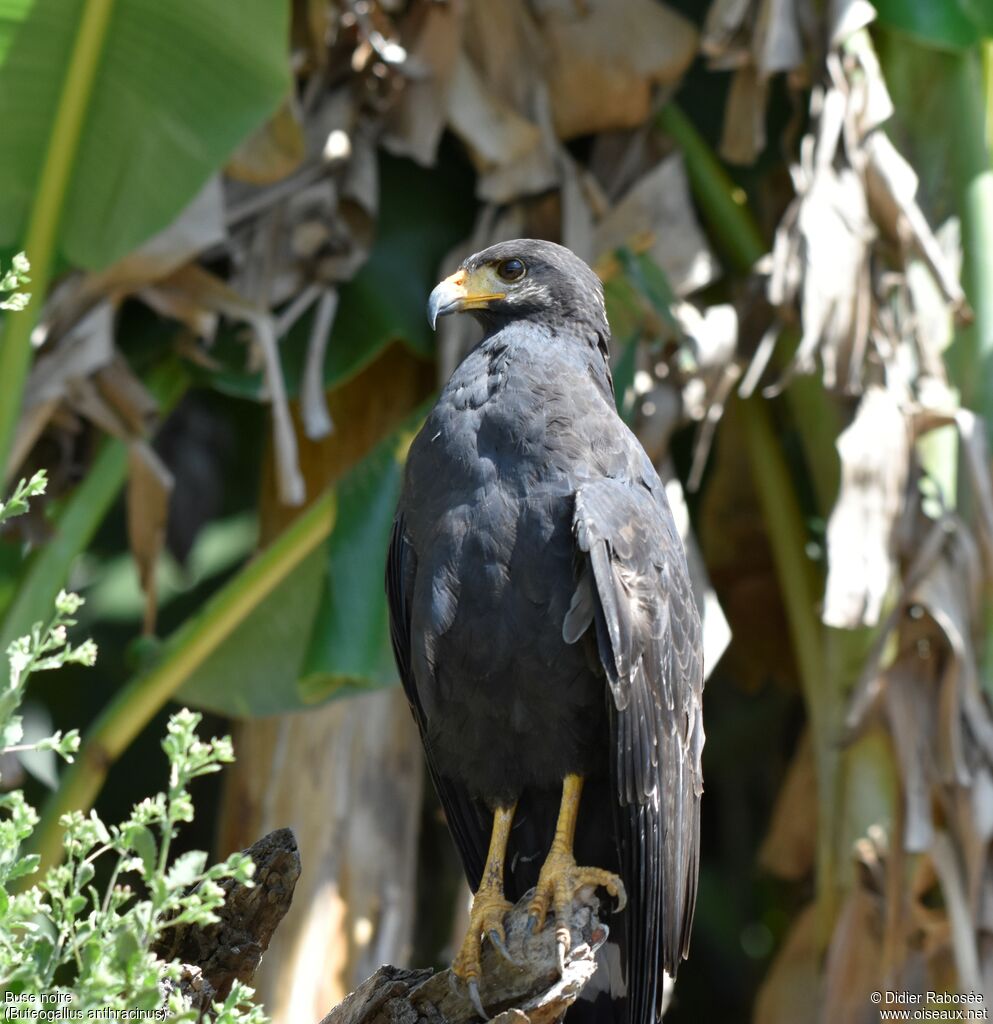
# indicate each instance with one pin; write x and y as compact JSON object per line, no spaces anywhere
{"x":66,"y":943}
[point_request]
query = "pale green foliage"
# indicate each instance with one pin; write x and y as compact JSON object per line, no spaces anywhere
{"x":45,"y":648}
{"x":12,"y":281}
{"x":17,"y":503}
{"x":67,"y":940}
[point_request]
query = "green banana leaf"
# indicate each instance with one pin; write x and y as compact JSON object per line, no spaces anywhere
{"x":202,"y":75}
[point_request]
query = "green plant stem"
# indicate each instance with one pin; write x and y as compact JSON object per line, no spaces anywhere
{"x":79,"y":519}
{"x":82,"y":514}
{"x":988,"y":80}
{"x":46,"y":210}
{"x":800,"y":588}
{"x":954,"y":161}
{"x":182,"y":654}
{"x":787,"y":537}
{"x":972,"y":353}
{"x":971,"y":356}
{"x":722,"y":203}
{"x":979,"y":283}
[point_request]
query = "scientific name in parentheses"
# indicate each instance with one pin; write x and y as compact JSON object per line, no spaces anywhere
{"x":47,"y":1006}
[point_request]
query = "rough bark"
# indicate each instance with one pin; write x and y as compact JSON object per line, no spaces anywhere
{"x":529,"y":991}
{"x":215,"y":956}
{"x":532,"y":987}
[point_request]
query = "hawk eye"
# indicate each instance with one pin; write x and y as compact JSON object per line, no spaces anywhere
{"x":511,"y":270}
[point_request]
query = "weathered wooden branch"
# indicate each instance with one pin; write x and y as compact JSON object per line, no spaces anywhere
{"x":529,"y":991}
{"x":230,"y":950}
{"x":529,"y":988}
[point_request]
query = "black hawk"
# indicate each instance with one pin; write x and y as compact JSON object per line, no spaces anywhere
{"x":545,"y":630}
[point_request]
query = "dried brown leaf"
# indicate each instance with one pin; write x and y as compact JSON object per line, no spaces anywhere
{"x":178,"y":298}
{"x":968,"y":815}
{"x":911,"y":703}
{"x":85,"y":348}
{"x":29,"y":428}
{"x":149,"y":487}
{"x":852,"y":186}
{"x":847,"y":17}
{"x":933,"y":329}
{"x":605,"y":58}
{"x":84,"y":398}
{"x":504,"y":44}
{"x":360,"y":183}
{"x":712,"y":333}
{"x":707,"y":361}
{"x":202,"y":295}
{"x":431,"y":34}
{"x":950,"y":594}
{"x":892,"y":191}
{"x":497,"y":101}
{"x":963,"y":930}
{"x":869,"y":685}
{"x":869,"y":100}
{"x":979,"y":470}
{"x":875,"y":454}
{"x":658,"y":210}
{"x":726,"y":33}
{"x":756,"y":39}
{"x":789,"y":847}
{"x":273,"y":152}
{"x":854,"y":960}
{"x":743,"y":136}
{"x":836,"y":237}
{"x":578,"y":230}
{"x":508,"y":148}
{"x":790,"y":991}
{"x":127,"y":395}
{"x":777,"y":42}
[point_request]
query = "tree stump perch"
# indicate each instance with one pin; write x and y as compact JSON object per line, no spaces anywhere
{"x":529,"y":991}
{"x":217,"y":955}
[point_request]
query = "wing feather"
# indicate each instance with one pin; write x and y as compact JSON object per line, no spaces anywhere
{"x":649,"y":641}
{"x":470,"y":833}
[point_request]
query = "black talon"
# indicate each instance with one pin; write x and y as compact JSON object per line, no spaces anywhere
{"x":532,"y":923}
{"x":477,"y":1003}
{"x":497,"y":941}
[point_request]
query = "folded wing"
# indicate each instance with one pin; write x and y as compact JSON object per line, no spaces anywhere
{"x":633,"y":589}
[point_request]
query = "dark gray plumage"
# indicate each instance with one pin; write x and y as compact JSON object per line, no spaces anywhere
{"x":542,"y":616}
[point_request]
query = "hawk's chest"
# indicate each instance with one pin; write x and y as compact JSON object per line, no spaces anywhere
{"x":491,"y":425}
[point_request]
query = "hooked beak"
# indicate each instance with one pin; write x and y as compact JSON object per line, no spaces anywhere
{"x":464,"y":290}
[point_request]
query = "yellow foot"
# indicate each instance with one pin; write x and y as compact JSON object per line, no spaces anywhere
{"x":558,"y":883}
{"x":489,"y":907}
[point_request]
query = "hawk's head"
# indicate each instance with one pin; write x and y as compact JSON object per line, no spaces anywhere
{"x":524,"y":279}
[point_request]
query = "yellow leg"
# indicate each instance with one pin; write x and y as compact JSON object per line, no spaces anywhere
{"x":560,"y":878}
{"x":489,"y":906}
